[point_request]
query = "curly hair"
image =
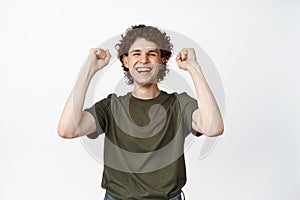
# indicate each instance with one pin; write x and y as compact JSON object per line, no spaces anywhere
{"x":149,"y":33}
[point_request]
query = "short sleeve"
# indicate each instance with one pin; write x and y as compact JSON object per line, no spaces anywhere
{"x":100,"y":113}
{"x":188,"y":105}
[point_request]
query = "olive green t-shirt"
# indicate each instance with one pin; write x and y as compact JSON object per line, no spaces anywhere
{"x":144,"y":144}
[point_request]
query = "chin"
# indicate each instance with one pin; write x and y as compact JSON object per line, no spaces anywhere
{"x":144,"y":82}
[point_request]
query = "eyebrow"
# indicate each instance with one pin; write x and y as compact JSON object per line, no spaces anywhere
{"x":139,"y":50}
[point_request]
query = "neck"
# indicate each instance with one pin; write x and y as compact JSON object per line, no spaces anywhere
{"x":146,"y":91}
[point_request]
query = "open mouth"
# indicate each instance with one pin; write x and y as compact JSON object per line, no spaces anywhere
{"x":143,"y":69}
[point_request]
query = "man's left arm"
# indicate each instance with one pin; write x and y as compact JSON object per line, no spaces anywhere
{"x":207,"y":119}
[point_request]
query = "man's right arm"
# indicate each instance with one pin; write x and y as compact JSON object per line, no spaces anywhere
{"x":73,"y":121}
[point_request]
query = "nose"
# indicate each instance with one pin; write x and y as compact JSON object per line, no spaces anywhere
{"x":144,"y":58}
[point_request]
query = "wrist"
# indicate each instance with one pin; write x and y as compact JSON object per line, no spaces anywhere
{"x":88,"y":72}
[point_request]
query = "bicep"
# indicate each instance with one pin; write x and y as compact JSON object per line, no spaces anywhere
{"x":87,"y":124}
{"x":195,"y":126}
{"x":195,"y":119}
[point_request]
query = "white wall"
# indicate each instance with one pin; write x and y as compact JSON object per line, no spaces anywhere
{"x":253,"y":44}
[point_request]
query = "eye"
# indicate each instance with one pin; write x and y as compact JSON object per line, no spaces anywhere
{"x":153,"y":54}
{"x":136,"y":54}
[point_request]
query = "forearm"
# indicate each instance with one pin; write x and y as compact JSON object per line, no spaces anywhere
{"x":68,"y":126}
{"x":73,"y":121}
{"x":208,"y":118}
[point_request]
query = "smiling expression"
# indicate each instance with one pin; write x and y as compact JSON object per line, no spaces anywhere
{"x":143,"y":61}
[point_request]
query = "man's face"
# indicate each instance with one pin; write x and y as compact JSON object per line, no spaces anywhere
{"x":143,"y":61}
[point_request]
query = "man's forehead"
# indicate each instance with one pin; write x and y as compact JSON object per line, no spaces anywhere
{"x":143,"y":44}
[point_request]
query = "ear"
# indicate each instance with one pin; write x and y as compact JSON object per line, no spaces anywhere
{"x":125,"y":61}
{"x":164,"y":61}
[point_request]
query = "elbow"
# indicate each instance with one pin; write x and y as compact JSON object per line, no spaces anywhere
{"x":212,"y":132}
{"x":65,"y":133}
{"x":216,"y":133}
{"x":215,"y":129}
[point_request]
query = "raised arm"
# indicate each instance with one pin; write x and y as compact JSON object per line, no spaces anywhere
{"x":207,"y":118}
{"x":73,"y":121}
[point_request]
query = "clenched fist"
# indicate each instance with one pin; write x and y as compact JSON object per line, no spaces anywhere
{"x":186,"y":58}
{"x":98,"y":59}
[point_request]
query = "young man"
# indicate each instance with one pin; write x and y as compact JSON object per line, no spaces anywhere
{"x":145,"y":129}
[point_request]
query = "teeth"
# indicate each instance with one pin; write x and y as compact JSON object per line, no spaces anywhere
{"x":141,"y":69}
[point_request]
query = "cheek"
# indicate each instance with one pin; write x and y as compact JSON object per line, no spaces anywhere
{"x":133,"y":61}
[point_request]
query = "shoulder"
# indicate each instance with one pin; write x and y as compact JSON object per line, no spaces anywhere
{"x":112,"y":98}
{"x":183,"y":96}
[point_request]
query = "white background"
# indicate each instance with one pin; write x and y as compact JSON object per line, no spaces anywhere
{"x":253,"y":44}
